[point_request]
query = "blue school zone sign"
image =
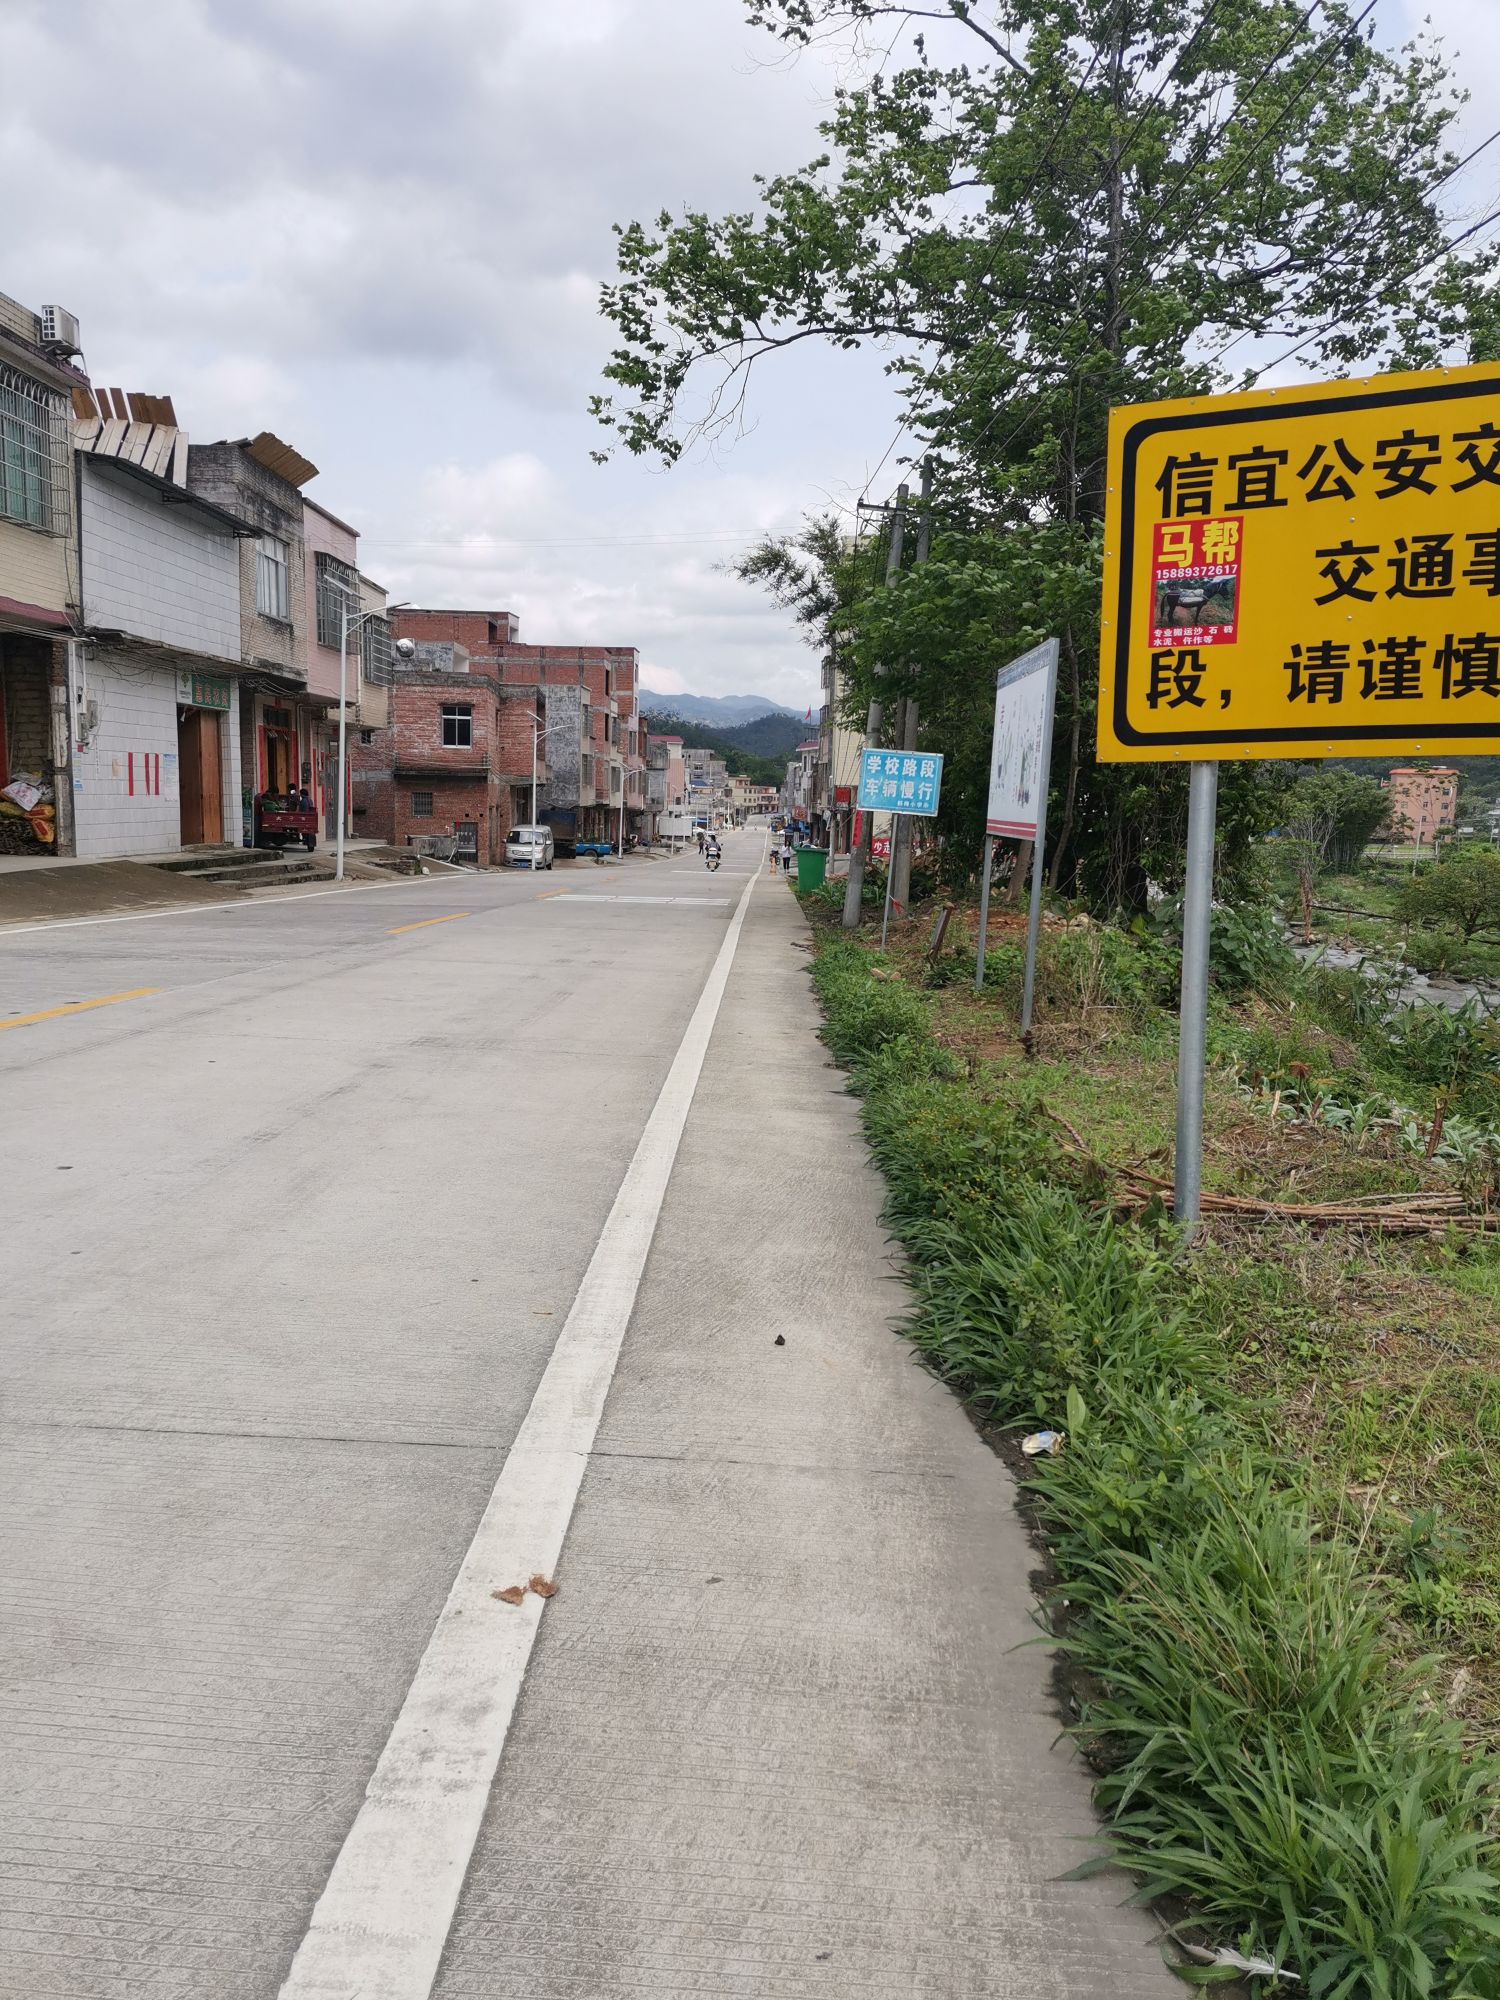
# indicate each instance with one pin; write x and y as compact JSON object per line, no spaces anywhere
{"x":900,"y":781}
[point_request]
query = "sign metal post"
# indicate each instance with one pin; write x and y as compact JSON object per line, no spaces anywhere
{"x":1034,"y":920}
{"x":1020,"y":768}
{"x":906,"y":784}
{"x":984,"y":909}
{"x":1197,"y":920}
{"x":890,"y":877}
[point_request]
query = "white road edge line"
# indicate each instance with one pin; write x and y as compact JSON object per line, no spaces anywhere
{"x":201,"y":909}
{"x":380,"y":1925}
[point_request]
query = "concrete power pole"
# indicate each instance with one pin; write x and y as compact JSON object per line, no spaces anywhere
{"x":859,"y":859}
{"x":906,"y":726}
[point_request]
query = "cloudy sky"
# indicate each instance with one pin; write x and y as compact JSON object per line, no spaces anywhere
{"x":377,"y":227}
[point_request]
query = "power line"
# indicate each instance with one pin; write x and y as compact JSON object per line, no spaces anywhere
{"x":482,"y":544}
{"x":1445,"y":249}
{"x":1431,"y":189}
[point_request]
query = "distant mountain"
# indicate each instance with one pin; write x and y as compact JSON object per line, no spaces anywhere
{"x":720,"y":711}
{"x":757,"y":750}
{"x":769,"y":735}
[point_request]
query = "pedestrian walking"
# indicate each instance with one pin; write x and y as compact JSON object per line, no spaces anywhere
{"x":786,"y":855}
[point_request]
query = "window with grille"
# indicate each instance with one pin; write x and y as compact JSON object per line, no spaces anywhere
{"x":33,"y":453}
{"x":458,"y":727}
{"x":338,"y":591}
{"x":273,"y":590}
{"x":376,"y":652}
{"x":421,"y":805}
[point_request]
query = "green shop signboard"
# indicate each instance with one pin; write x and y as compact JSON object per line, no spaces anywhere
{"x":203,"y":690}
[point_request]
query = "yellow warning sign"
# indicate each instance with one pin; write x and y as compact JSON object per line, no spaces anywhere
{"x":1305,"y":572}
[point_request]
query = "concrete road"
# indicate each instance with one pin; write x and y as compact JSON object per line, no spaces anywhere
{"x":363,"y":1248}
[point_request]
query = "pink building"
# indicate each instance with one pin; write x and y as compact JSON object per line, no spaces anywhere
{"x":666,"y":778}
{"x":1424,"y":804}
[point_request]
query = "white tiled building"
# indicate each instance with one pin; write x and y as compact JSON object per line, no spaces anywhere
{"x":155,"y":698}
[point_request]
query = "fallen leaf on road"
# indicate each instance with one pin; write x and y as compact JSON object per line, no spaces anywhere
{"x":541,"y":1586}
{"x":511,"y":1596}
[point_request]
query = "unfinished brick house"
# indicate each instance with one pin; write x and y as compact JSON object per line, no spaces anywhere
{"x":454,"y":759}
{"x":591,"y":751}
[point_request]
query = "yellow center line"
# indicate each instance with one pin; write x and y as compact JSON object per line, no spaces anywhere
{"x":427,"y":922}
{"x":547,"y":895}
{"x":79,"y":1007}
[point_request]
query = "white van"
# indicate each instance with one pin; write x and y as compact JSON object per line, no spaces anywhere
{"x":529,"y":847}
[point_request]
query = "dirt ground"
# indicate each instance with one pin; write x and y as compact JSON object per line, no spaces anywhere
{"x":30,"y":894}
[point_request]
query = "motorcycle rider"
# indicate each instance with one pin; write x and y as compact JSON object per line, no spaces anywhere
{"x":711,"y":852}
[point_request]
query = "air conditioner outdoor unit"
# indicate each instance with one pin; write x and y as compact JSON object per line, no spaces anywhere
{"x":59,"y":329}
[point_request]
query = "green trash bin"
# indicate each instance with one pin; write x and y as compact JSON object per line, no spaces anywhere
{"x":812,"y":866}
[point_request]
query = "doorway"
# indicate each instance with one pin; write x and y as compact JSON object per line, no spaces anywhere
{"x":200,"y":790}
{"x":280,"y":751}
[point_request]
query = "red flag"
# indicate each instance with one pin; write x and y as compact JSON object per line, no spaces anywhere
{"x":808,"y":716}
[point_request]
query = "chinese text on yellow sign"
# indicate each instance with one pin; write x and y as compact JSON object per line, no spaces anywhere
{"x":1305,"y":572}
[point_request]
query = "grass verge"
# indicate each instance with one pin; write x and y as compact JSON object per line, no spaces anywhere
{"x":1278,"y":1602}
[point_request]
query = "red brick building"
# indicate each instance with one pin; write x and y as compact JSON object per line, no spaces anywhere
{"x":592,"y":751}
{"x":455,"y":758}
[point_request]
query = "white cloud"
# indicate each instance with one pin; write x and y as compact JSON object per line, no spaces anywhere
{"x":378,"y":227}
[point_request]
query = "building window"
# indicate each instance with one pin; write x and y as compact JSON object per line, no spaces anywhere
{"x":33,"y":453}
{"x":273,"y":590}
{"x":421,"y":805}
{"x":458,"y":727}
{"x":375,"y":651}
{"x":338,"y":592}
{"x":367,"y":736}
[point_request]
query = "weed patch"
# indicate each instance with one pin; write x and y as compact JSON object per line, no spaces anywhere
{"x":1258,"y":1539}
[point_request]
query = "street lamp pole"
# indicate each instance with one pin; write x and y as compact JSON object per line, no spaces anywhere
{"x":346,"y":626}
{"x":538,"y":731}
{"x":338,"y":862}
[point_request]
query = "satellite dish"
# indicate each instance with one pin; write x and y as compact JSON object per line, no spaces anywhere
{"x":406,"y":647}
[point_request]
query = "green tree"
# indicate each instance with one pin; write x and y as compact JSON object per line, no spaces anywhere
{"x":1043,"y":208}
{"x":1459,"y":893}
{"x":1351,"y":806}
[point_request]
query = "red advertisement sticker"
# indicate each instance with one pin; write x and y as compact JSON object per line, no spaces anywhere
{"x":1195,"y":582}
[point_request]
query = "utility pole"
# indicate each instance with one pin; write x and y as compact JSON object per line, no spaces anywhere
{"x":906,"y":729}
{"x":859,"y":858}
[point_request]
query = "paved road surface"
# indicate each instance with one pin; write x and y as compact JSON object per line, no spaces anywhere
{"x":291,"y":1235}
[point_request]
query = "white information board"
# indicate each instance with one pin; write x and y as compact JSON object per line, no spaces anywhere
{"x":1019,"y":747}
